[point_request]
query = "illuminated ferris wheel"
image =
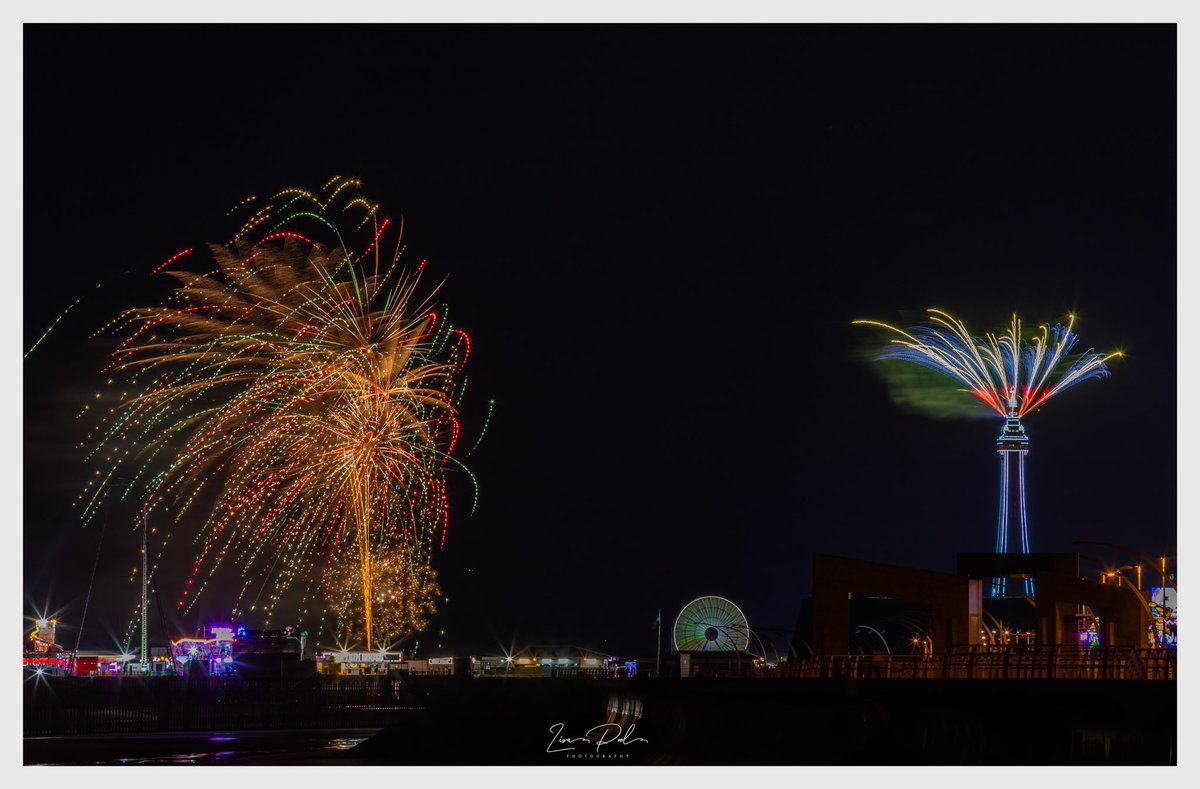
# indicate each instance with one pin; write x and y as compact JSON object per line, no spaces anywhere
{"x":711,"y":624}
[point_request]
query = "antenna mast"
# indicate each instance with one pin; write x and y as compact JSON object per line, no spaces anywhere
{"x":145,"y":601}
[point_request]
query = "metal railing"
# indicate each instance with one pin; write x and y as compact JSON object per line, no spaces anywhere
{"x":981,"y":662}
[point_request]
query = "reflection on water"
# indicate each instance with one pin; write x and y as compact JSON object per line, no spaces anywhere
{"x":184,"y":758}
{"x":345,"y":743}
{"x":281,"y":745}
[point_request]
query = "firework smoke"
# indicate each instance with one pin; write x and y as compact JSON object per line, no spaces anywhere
{"x":1006,"y":372}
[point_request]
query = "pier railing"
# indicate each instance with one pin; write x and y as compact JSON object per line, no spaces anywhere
{"x":1012,"y":662}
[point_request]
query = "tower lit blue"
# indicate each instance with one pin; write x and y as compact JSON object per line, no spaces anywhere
{"x":1012,"y":445}
{"x":1011,"y":373}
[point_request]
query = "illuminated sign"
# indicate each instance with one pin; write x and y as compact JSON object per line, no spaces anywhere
{"x":1164,"y":620}
{"x":360,"y":657}
{"x":1156,"y":597}
{"x":367,"y":657}
{"x":215,"y":651}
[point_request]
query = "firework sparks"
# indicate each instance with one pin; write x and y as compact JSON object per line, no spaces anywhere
{"x":314,"y":389}
{"x":404,"y":596}
{"x":1007,"y":372}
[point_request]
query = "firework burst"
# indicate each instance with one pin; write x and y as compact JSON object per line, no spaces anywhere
{"x":1010,"y":374}
{"x":1007,"y":372}
{"x":404,"y":593}
{"x":311,"y":390}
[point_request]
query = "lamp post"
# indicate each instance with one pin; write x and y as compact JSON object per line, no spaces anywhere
{"x":145,"y":652}
{"x":658,"y":647}
{"x":1161,"y":559}
{"x":1162,"y":608}
{"x":1118,"y":576}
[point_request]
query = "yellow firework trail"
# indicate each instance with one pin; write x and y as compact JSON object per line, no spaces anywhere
{"x":312,"y":387}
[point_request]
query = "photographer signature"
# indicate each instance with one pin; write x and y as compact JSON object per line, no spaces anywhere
{"x":609,"y":734}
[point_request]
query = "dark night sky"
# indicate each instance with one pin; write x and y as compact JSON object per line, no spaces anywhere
{"x":658,"y":237}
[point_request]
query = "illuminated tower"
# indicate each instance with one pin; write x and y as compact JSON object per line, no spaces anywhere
{"x":994,"y":369}
{"x":1012,"y":446}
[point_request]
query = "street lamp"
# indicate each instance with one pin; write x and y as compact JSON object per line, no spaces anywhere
{"x":1117,"y":576}
{"x":1113,"y":573}
{"x":1162,"y":608}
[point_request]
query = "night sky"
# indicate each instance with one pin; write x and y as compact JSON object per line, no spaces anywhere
{"x":658,"y":237}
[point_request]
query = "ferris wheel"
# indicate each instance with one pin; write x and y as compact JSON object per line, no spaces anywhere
{"x":711,"y":624}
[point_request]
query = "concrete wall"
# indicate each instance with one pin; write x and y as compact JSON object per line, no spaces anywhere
{"x":956,"y":601}
{"x":1122,"y":616}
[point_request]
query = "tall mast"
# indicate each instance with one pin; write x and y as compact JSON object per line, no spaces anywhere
{"x":145,"y":601}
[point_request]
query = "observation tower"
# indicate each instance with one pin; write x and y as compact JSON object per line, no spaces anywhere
{"x":993,"y":368}
{"x":1012,"y":446}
